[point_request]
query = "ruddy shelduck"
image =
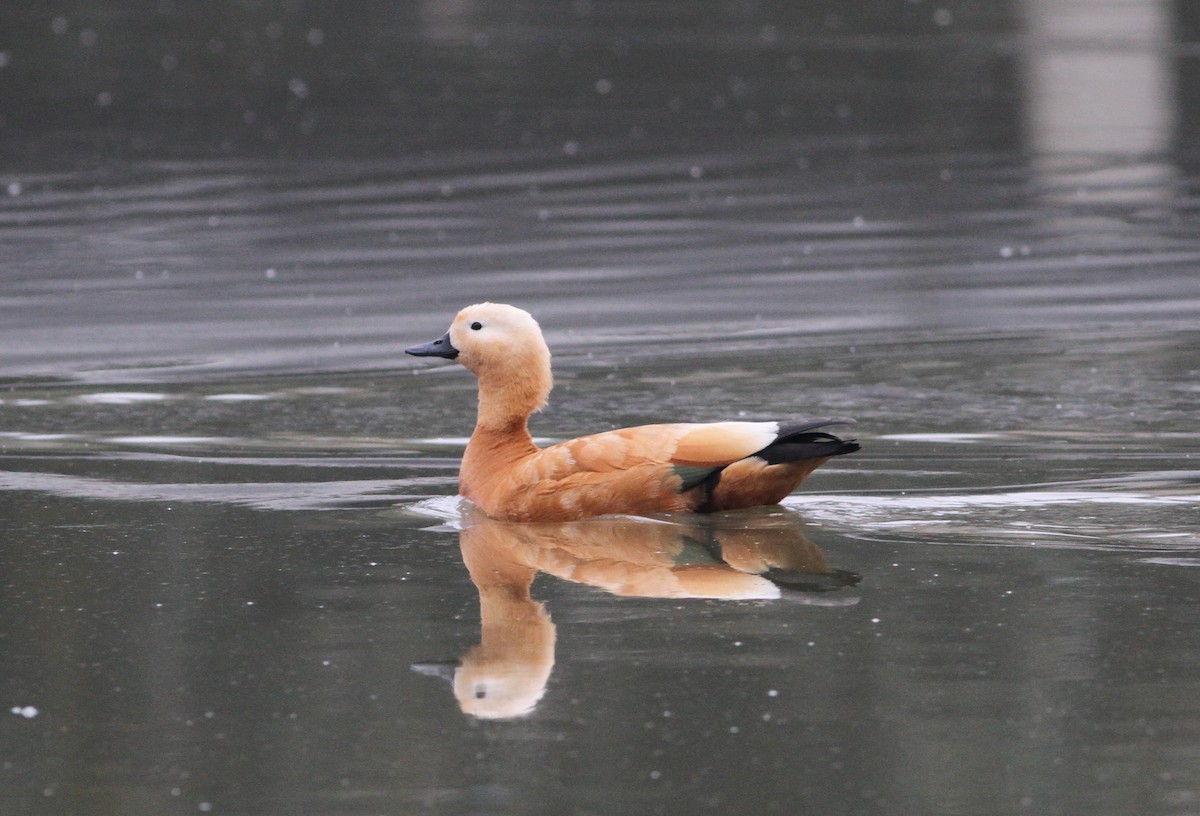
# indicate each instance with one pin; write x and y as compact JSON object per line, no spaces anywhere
{"x":701,"y":467}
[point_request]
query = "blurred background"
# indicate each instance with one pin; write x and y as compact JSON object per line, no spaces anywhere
{"x":94,"y":81}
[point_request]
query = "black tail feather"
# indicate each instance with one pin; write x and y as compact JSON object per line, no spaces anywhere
{"x":795,"y":427}
{"x":797,"y":441}
{"x":810,"y":445}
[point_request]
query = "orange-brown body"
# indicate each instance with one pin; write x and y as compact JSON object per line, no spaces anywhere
{"x":646,"y":469}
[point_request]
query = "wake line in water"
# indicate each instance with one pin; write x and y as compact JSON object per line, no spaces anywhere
{"x":1129,"y":520}
{"x":1016,"y":499}
{"x":331,"y":495}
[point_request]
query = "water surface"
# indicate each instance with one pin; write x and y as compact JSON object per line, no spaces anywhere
{"x":228,"y":500}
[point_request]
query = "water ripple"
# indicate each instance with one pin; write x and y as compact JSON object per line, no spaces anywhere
{"x":1069,"y":515}
{"x":242,"y":265}
{"x":290,"y":496}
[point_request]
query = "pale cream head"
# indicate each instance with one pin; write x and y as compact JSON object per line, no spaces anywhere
{"x":503,"y":346}
{"x":492,"y":333}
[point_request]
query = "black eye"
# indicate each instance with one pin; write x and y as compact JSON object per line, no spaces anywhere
{"x":476,"y":326}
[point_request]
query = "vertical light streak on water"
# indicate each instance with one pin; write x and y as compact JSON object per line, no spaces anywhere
{"x":1099,"y":81}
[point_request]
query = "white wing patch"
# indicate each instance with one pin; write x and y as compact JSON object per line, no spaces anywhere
{"x":719,"y":443}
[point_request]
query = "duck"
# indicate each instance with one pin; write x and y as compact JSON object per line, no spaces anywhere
{"x":701,"y":467}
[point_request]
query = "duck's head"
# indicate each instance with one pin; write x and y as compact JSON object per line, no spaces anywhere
{"x":500,"y":344}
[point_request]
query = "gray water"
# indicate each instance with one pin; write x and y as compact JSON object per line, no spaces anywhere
{"x":233,"y":560}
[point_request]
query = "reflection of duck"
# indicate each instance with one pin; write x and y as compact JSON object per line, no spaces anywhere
{"x":743,"y":556}
{"x":648,"y":469}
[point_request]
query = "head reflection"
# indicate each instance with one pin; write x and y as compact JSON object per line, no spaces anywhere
{"x":751,"y":555}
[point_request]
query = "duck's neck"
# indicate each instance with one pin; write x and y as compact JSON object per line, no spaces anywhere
{"x":506,"y":399}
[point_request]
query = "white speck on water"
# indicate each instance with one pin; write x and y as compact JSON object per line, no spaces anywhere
{"x":104,"y":99}
{"x":169,"y":62}
{"x":14,"y":188}
{"x":656,"y":774}
{"x":943,"y":17}
{"x":696,"y":171}
{"x":298,"y":87}
{"x":733,"y":729}
{"x":204,"y":807}
{"x":59,"y":25}
{"x":604,"y":86}
{"x":772,"y":692}
{"x":1006,"y":252}
{"x":875,"y":620}
{"x":859,"y":222}
{"x":28,"y":712}
{"x":271,"y":274}
{"x":5,"y":58}
{"x":570,"y":148}
{"x":315,"y":37}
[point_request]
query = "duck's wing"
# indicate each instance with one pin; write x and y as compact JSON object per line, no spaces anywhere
{"x":682,"y":444}
{"x":644,"y":469}
{"x":693,"y":450}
